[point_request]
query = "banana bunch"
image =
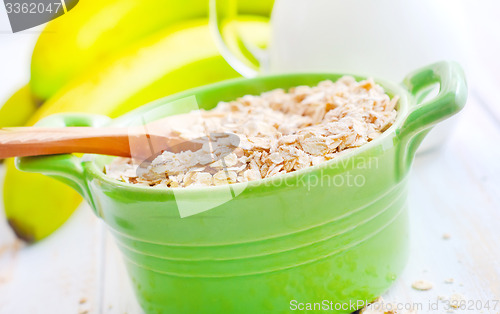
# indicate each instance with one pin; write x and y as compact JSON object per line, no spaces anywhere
{"x":97,"y":29}
{"x":108,"y":57}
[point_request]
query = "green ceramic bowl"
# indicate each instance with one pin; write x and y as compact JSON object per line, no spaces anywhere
{"x":337,"y":232}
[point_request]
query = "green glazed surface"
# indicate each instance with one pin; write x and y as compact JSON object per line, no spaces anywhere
{"x":335,"y":232}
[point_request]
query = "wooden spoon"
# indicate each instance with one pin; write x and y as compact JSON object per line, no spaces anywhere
{"x":142,"y":143}
{"x":34,"y":141}
{"x":139,"y":142}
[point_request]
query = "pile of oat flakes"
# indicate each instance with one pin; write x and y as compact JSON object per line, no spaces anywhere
{"x":278,"y":132}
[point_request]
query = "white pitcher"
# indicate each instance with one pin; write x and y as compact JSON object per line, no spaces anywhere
{"x":379,"y":38}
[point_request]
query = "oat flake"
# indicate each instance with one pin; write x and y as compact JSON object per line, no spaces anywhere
{"x":422,"y":285}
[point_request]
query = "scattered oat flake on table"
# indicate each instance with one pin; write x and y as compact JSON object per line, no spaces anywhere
{"x":380,"y":306}
{"x":449,"y":280}
{"x":446,"y":236}
{"x":274,"y":133}
{"x":422,"y":285}
{"x":456,"y":300}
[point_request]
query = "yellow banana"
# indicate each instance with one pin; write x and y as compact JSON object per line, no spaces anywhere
{"x":96,"y":29}
{"x":36,"y":205}
{"x":112,"y":86}
{"x":18,"y":109}
{"x":178,"y":58}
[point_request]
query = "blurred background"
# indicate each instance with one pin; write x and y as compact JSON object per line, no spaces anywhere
{"x":109,"y":57}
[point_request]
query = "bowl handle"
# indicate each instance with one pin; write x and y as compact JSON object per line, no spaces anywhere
{"x":66,"y":168}
{"x":423,"y":115}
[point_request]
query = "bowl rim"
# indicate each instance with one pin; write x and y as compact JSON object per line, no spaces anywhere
{"x":92,"y":170}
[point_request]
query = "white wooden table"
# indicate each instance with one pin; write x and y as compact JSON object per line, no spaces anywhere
{"x":454,"y":191}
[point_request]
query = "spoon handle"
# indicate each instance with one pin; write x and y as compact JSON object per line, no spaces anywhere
{"x":33,"y":141}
